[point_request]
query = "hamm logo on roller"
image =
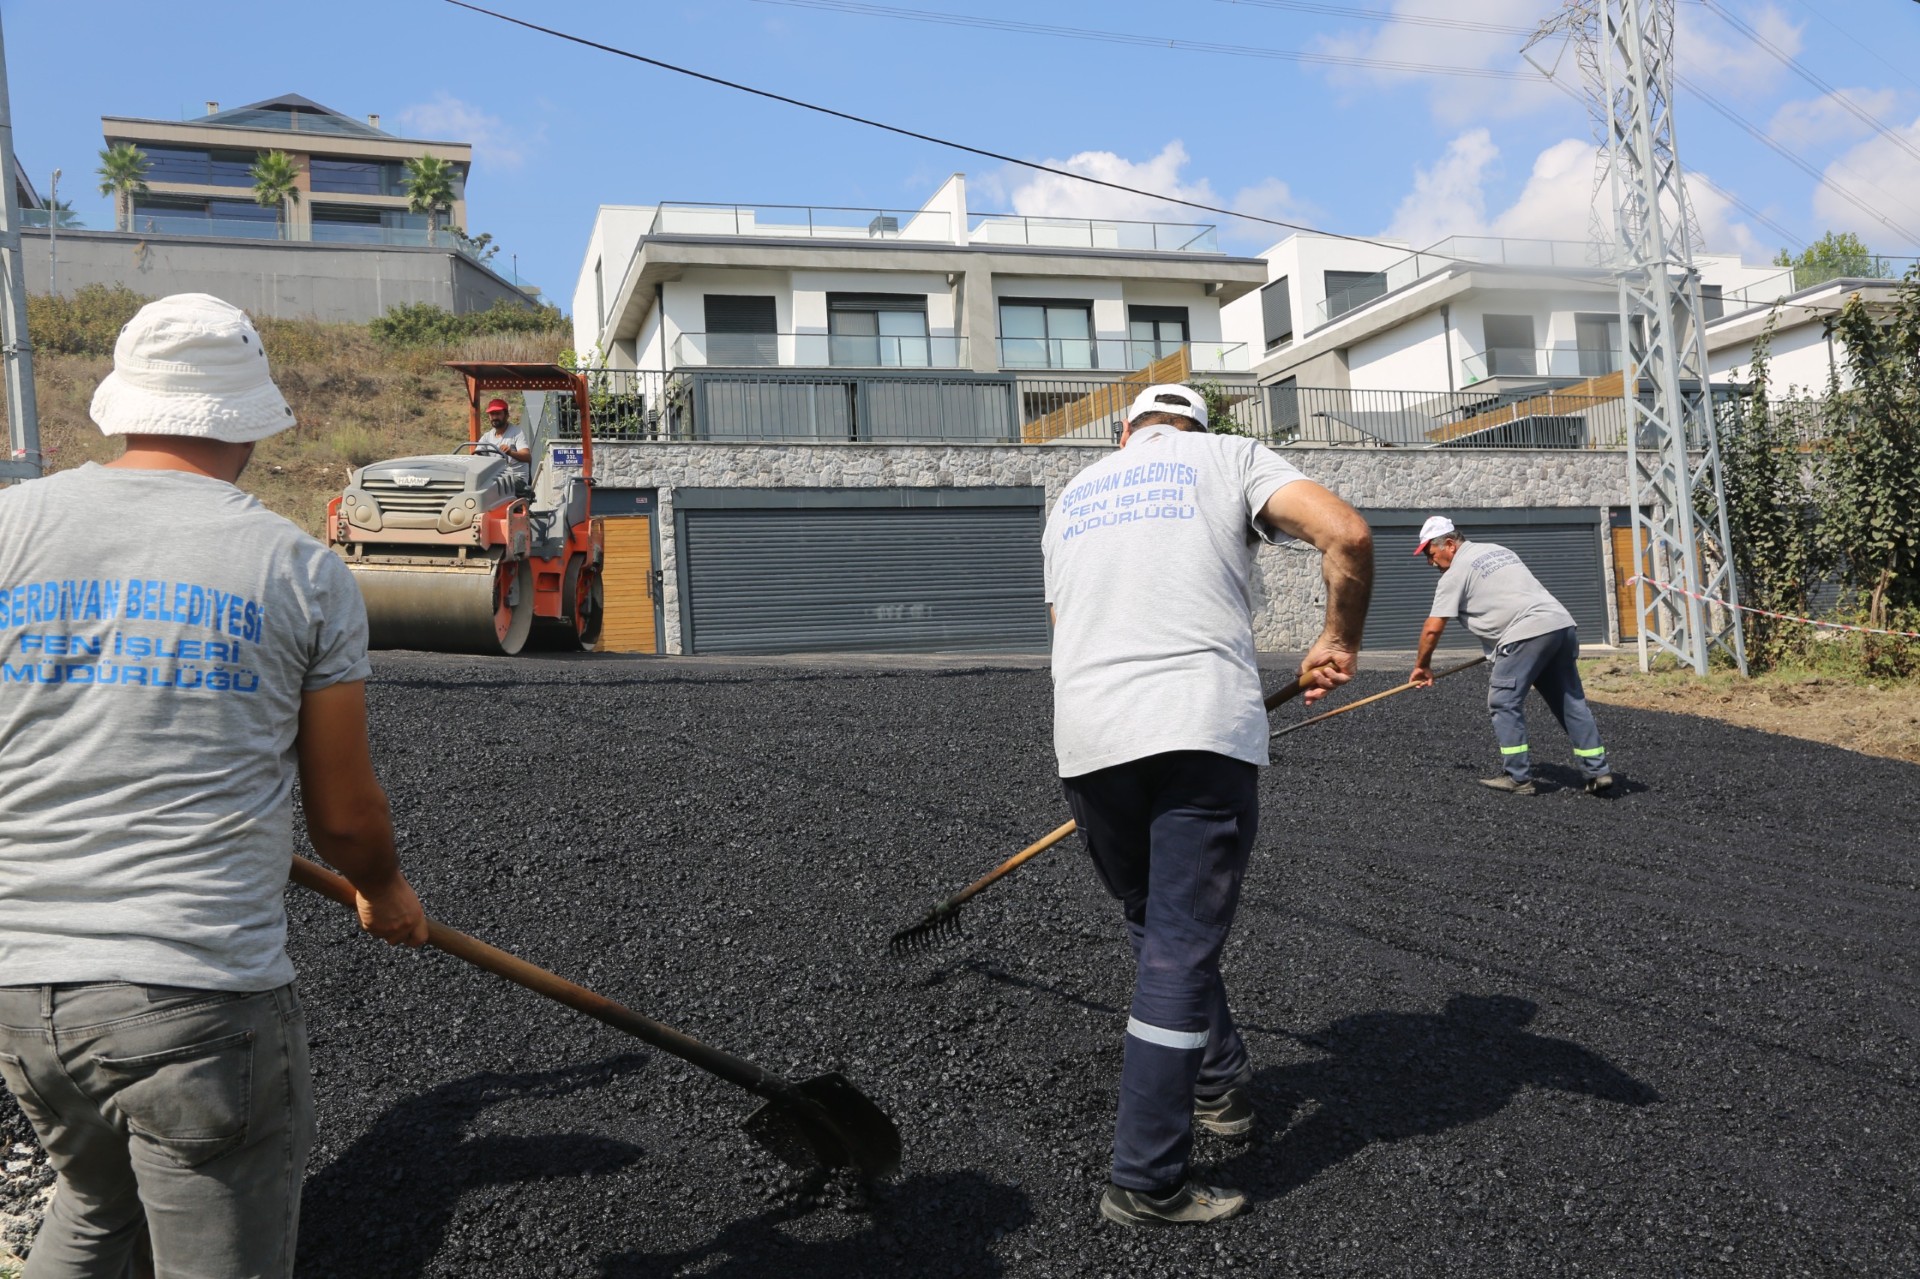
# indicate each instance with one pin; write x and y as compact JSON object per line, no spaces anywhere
{"x":412,"y":481}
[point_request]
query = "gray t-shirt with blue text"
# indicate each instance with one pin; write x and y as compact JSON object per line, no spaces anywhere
{"x":157,"y":630}
{"x":1498,"y":596}
{"x":1149,"y":558}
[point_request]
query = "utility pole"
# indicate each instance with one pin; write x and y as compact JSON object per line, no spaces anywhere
{"x":53,"y":235}
{"x":23,"y":417}
{"x":1678,"y":502}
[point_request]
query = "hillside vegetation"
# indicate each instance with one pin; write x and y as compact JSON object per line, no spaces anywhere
{"x":360,"y":392}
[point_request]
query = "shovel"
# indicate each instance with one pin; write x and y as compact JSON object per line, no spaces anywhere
{"x":820,"y":1122}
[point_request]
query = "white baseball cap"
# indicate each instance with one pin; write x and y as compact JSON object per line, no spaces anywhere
{"x":1436,"y":526}
{"x":1190,"y":404}
{"x":190,"y":364}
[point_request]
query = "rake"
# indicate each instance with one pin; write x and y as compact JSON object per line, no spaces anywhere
{"x":1354,"y":706}
{"x":943,"y":922}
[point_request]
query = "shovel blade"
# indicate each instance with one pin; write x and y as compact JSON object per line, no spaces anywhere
{"x":828,"y":1124}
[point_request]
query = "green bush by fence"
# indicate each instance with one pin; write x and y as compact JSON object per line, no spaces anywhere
{"x":87,"y":323}
{"x":424,"y":324}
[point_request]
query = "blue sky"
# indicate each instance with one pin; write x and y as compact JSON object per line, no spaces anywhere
{"x":559,"y":129}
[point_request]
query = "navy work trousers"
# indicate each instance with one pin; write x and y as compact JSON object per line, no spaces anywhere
{"x":1549,"y":663}
{"x":1169,"y":836}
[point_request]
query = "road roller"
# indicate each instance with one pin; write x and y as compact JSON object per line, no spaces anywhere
{"x":468,"y":552}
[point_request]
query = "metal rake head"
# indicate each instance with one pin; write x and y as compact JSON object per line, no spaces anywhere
{"x":941,"y":925}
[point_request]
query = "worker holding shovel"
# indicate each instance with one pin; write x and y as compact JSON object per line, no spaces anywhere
{"x":1160,"y":734}
{"x":170,"y":652}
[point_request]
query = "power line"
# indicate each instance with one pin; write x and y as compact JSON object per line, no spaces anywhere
{"x":1382,"y":15}
{"x":1794,"y":64}
{"x":1815,"y":8}
{"x":936,"y":141}
{"x":856,"y":8}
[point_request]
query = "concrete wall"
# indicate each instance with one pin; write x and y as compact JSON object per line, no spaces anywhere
{"x":1289,"y":598}
{"x":288,"y":280}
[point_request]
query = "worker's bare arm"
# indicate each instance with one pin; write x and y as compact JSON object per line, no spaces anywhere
{"x":1423,"y":661}
{"x":1318,"y":517}
{"x":347,"y":815}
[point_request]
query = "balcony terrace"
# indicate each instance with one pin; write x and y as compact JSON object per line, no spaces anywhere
{"x":928,"y":226}
{"x":1558,"y":255}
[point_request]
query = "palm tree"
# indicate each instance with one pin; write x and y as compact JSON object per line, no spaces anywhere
{"x":429,"y":184}
{"x":276,"y":180}
{"x":123,"y":175}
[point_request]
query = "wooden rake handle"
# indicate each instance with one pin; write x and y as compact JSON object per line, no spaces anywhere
{"x":1041,"y":845}
{"x":1392,"y":692}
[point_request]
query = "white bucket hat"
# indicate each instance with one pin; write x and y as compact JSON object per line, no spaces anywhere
{"x":1191,"y":404}
{"x":191,"y":365}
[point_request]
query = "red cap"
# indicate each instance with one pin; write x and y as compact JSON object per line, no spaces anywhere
{"x":498,"y":404}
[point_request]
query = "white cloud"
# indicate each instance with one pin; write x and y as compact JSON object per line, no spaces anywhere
{"x":1715,"y":53}
{"x":1053,"y":195}
{"x":1455,"y":100}
{"x":449,"y":119}
{"x":1825,"y":121}
{"x":1886,"y":177}
{"x":1556,"y":202}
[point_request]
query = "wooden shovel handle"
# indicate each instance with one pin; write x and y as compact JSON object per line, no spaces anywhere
{"x":735,"y":1070}
{"x":1392,"y":692}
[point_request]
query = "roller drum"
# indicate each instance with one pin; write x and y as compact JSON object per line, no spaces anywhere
{"x":479,"y":608}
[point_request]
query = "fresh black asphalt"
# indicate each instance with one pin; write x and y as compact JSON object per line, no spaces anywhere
{"x":1670,"y":1033}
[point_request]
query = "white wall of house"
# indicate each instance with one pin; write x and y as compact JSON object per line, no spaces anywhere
{"x":1303,"y":261}
{"x":1800,"y":361}
{"x":1407,"y":357}
{"x":617,"y":230}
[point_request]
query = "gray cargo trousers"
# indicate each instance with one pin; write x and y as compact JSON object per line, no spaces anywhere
{"x":190,"y":1108}
{"x":1549,"y":663}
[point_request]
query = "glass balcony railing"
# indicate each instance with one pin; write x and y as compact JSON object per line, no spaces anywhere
{"x":1092,"y":233}
{"x":817,"y":351}
{"x":69,"y":220}
{"x":801,"y":222}
{"x":1559,"y":255}
{"x":1120,"y":355}
{"x":1514,"y":361}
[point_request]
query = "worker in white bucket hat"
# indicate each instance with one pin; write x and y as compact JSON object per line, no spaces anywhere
{"x":170,"y":652}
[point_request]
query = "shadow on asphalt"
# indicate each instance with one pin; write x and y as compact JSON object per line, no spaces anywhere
{"x":965,"y":1212}
{"x":402,"y":1179}
{"x":1388,"y":1076}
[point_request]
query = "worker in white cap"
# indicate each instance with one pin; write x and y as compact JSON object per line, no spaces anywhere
{"x":171,"y":653}
{"x":1160,"y":734}
{"x":1532,"y":640}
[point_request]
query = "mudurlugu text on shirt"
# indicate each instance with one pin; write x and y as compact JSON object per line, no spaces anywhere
{"x":1149,"y":491}
{"x":63,"y":649}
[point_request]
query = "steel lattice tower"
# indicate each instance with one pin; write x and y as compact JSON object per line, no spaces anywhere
{"x":1625,"y":51}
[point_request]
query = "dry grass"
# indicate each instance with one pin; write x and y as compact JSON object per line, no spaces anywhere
{"x":355,"y":401}
{"x":1872,"y":717}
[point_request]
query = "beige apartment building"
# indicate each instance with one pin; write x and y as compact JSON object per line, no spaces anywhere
{"x":351,"y":174}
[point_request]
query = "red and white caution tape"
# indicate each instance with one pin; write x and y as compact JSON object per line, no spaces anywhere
{"x":1763,"y":612}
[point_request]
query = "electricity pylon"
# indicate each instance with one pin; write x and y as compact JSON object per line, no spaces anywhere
{"x":1680,"y":540}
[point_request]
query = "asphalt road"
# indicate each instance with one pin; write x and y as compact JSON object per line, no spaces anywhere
{"x":1670,"y":1033}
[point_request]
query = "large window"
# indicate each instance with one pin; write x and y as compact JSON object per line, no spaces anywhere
{"x":1597,"y":337}
{"x":178,"y":215}
{"x":1276,"y":313}
{"x":357,"y":177}
{"x":1155,"y":332}
{"x":1511,"y":350}
{"x":741,"y":330}
{"x":362,"y":224}
{"x":204,"y":168}
{"x":1046,"y":334}
{"x":878,"y":330}
{"x":1348,"y":289}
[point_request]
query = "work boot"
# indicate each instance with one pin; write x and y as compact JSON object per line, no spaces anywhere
{"x":1601,"y":785}
{"x":1191,"y":1205}
{"x":1507,"y":784}
{"x":1228,"y":1115}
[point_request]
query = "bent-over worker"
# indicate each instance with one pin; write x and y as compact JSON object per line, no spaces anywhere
{"x":1160,"y":734}
{"x":171,"y":652}
{"x":1532,"y":640}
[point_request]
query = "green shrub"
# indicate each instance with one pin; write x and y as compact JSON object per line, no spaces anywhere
{"x":88,"y":323}
{"x":425,"y":324}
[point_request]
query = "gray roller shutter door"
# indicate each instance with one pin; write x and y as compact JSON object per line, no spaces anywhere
{"x":1562,"y":548}
{"x":890,"y":571}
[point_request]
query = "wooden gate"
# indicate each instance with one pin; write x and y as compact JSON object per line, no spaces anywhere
{"x":628,"y":580}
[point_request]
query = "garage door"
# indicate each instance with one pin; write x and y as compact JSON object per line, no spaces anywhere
{"x":1561,"y":547}
{"x":860,"y":570}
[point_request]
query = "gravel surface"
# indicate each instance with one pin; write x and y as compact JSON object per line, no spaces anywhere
{"x":1669,"y":1033}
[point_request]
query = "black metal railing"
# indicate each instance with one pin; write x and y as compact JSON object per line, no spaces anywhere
{"x":830,"y":406}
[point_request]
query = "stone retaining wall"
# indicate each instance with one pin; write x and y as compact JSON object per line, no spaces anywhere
{"x":1289,"y":597}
